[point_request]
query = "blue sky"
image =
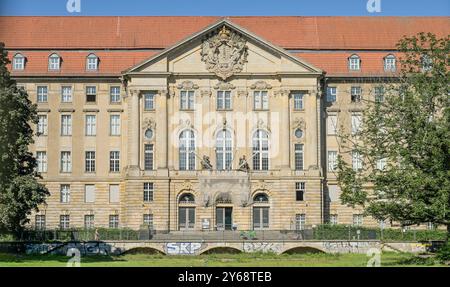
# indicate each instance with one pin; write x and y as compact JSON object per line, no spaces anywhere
{"x":227,"y":7}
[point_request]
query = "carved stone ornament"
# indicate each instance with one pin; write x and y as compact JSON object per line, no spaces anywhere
{"x":282,"y":92}
{"x":187,"y":85}
{"x":186,"y":185}
{"x":205,"y":93}
{"x":261,"y":85}
{"x":224,"y":86}
{"x":186,"y":124}
{"x":149,"y":124}
{"x":224,"y":53}
{"x":299,"y":123}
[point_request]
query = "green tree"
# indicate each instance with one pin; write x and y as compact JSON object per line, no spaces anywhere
{"x":20,"y":192}
{"x":409,"y":131}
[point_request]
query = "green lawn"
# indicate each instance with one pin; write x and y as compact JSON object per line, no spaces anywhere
{"x":231,"y":260}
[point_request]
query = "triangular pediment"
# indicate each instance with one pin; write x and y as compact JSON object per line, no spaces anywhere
{"x":223,"y":49}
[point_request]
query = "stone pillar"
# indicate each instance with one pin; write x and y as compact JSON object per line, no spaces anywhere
{"x":162,"y":132}
{"x":285,"y":129}
{"x":315,"y":128}
{"x":134,"y":130}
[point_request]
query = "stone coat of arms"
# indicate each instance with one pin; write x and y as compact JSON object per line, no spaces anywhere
{"x":224,"y":53}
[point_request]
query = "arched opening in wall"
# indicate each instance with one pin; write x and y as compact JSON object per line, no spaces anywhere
{"x":261,"y":211}
{"x":302,"y":250}
{"x":186,"y":212}
{"x":222,"y":250}
{"x":143,"y":250}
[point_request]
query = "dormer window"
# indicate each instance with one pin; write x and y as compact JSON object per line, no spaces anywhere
{"x":354,"y":63}
{"x":19,"y":62}
{"x":427,"y":63}
{"x":389,"y":63}
{"x":92,"y":62}
{"x":54,"y":62}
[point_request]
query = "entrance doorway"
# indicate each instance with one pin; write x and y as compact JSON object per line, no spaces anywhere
{"x":224,"y":218}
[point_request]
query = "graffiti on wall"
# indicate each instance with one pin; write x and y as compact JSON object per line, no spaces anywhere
{"x":262,"y":247}
{"x":85,"y":248}
{"x":348,"y":246}
{"x":183,"y":248}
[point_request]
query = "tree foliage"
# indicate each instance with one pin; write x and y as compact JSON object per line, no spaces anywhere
{"x":410,"y":130}
{"x":20,"y":192}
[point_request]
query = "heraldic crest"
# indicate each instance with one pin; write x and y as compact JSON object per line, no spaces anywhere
{"x":224,"y":53}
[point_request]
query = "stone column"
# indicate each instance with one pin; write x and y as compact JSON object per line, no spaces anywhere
{"x":162,"y":130}
{"x":315,"y":127}
{"x":134,"y":129}
{"x":285,"y":129}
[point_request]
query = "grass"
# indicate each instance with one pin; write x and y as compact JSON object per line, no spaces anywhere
{"x":224,"y":260}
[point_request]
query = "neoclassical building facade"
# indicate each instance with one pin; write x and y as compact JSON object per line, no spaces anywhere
{"x":199,"y":123}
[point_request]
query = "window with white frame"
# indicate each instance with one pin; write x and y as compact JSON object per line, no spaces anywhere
{"x":187,"y":150}
{"x":114,"y":193}
{"x":114,"y":94}
{"x":114,"y":125}
{"x":357,"y":219}
{"x":89,"y":221}
{"x":332,"y":124}
{"x":149,"y":101}
{"x":54,"y":62}
{"x":187,"y":100}
{"x":334,"y":219}
{"x":66,"y":161}
{"x":381,"y":163}
{"x":300,"y":221}
{"x":148,"y":191}
{"x":356,"y":160}
{"x":298,"y":101}
{"x":356,"y":123}
{"x":114,"y":161}
{"x":42,"y":94}
{"x":379,"y":94}
{"x":355,"y":94}
{"x":427,"y":63}
{"x":260,"y":150}
{"x":260,"y":100}
{"x":66,"y":94}
{"x":90,"y":161}
{"x":331,"y":94}
{"x":39,"y":222}
{"x":332,"y":160}
{"x":41,"y":158}
{"x":91,"y":125}
{"x":89,"y":193}
{"x":18,"y":62}
{"x":223,"y":100}
{"x":92,"y":62}
{"x":148,"y":220}
{"x":148,"y":156}
{"x":114,"y":221}
{"x":91,"y":94}
{"x":389,"y":63}
{"x":354,"y":63}
{"x":42,"y":127}
{"x":64,"y":192}
{"x":300,"y":191}
{"x":224,"y":152}
{"x":64,"y":222}
{"x":66,"y":125}
{"x":298,"y":149}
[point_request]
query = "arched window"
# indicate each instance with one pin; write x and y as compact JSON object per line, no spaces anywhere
{"x":92,"y":62}
{"x":261,"y":197}
{"x":260,"y":150}
{"x":224,"y":145}
{"x":354,"y":63}
{"x":187,"y":150}
{"x":389,"y":63}
{"x":186,"y":213}
{"x":54,"y":62}
{"x":187,"y":198}
{"x":18,"y":62}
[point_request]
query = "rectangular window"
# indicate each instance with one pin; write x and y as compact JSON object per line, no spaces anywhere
{"x":224,"y":100}
{"x":299,"y":191}
{"x":114,"y":161}
{"x":148,"y":220}
{"x":113,"y":221}
{"x":64,"y":222}
{"x":18,"y":63}
{"x":114,"y":193}
{"x":332,"y":160}
{"x":66,"y":161}
{"x":331,"y":94}
{"x":260,"y":217}
{"x":300,"y":221}
{"x":66,"y":125}
{"x":66,"y":94}
{"x":260,"y":100}
{"x":187,"y":100}
{"x":379,"y":94}
{"x":149,"y":101}
{"x":355,"y":93}
{"x":357,"y":219}
{"x":148,"y":191}
{"x":354,"y":63}
{"x":42,"y":94}
{"x":92,"y":63}
{"x":334,"y":219}
{"x":91,"y":125}
{"x":39,"y":222}
{"x":54,"y":62}
{"x":90,"y":161}
{"x":64,"y":192}
{"x":381,"y":163}
{"x":356,"y":160}
{"x":332,"y":124}
{"x":298,"y":101}
{"x":91,"y":94}
{"x":356,"y":123}
{"x":148,"y":157}
{"x":298,"y":156}
{"x":41,"y":158}
{"x":89,"y":193}
{"x":389,"y":63}
{"x":114,"y":94}
{"x":42,"y":127}
{"x":89,"y":221}
{"x":114,"y":125}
